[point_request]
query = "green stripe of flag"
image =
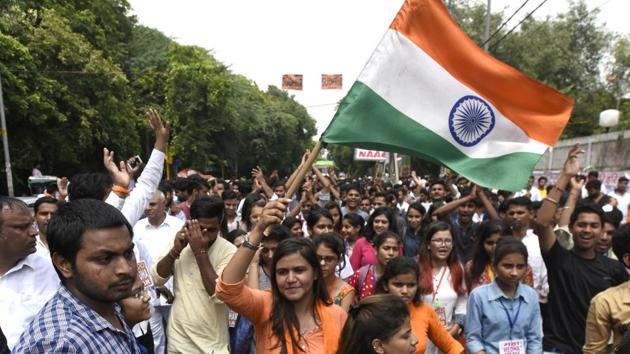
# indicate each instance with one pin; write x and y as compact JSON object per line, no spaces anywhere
{"x":366,"y":120}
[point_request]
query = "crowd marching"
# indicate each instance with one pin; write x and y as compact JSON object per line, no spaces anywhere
{"x":106,"y":263}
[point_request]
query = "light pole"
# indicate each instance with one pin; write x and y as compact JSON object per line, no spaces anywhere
{"x":5,"y":145}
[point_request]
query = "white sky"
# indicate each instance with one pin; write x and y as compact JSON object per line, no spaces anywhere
{"x":263,"y":39}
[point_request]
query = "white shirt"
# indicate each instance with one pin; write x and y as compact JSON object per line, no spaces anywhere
{"x":447,"y":302}
{"x":24,"y":290}
{"x":133,"y":206}
{"x":41,"y":248}
{"x":535,"y":261}
{"x":157,"y":241}
{"x":622,"y":203}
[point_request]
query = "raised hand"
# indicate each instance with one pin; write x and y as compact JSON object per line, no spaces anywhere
{"x":119,"y":174}
{"x":161,"y":129}
{"x":273,"y":213}
{"x":198,"y":242}
{"x":572,"y":165}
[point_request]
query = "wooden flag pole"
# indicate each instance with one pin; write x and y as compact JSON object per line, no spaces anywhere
{"x":303,"y":170}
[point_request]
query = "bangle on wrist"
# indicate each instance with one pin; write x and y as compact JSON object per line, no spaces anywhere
{"x":200,"y":253}
{"x":120,"y":189}
{"x":549,"y":199}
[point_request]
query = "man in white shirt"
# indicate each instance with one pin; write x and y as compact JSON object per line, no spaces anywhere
{"x":622,"y":196}
{"x":519,"y":216}
{"x":156,"y":233}
{"x":27,"y":280}
{"x":44,"y":209}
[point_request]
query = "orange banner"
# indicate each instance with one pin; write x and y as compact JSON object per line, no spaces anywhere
{"x":292,"y":81}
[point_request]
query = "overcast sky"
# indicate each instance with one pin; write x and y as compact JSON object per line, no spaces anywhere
{"x":264,"y":39}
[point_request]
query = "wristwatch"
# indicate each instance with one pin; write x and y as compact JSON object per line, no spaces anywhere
{"x":247,"y":244}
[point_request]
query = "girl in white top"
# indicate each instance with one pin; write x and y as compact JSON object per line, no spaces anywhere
{"x":442,"y":281}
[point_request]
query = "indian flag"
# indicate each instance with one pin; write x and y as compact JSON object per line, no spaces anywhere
{"x":429,"y":91}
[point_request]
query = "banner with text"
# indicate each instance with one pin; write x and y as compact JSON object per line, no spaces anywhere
{"x":370,"y":155}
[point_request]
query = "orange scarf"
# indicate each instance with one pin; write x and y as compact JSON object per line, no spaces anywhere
{"x":332,"y":330}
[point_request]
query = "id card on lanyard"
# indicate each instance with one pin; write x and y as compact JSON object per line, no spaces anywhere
{"x":512,"y":346}
{"x":437,"y":306}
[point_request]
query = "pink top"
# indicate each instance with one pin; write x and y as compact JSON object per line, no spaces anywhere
{"x":362,"y":254}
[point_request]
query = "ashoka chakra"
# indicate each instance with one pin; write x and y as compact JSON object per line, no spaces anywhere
{"x":470,"y":120}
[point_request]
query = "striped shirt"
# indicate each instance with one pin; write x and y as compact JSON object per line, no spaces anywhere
{"x":66,"y":325}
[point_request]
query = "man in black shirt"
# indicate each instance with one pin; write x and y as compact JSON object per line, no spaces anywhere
{"x":574,"y":276}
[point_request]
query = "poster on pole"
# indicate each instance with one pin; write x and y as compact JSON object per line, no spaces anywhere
{"x":292,"y":81}
{"x":370,"y":155}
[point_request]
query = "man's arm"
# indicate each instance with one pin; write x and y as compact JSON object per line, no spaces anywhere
{"x":492,"y":212}
{"x":326,"y":182}
{"x":569,"y":206}
{"x":545,"y":215}
{"x":164,"y":268}
{"x":257,"y":173}
{"x":598,"y":327}
{"x":456,"y":203}
{"x":199,"y":246}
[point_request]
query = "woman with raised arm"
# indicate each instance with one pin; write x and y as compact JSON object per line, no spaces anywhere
{"x":297,"y":315}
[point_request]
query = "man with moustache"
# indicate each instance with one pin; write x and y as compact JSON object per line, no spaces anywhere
{"x":44,"y":209}
{"x":353,"y":198}
{"x":577,"y":275}
{"x":27,"y":280}
{"x":92,"y":250}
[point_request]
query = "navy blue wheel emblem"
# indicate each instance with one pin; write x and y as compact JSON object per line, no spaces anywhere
{"x":470,"y":120}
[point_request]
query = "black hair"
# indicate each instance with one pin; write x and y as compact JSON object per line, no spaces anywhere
{"x":255,"y":199}
{"x":334,"y":205}
{"x":89,"y":186}
{"x":393,"y":222}
{"x":68,"y":225}
{"x":621,"y":242}
{"x":375,"y":317}
{"x":480,"y":258}
{"x":44,"y":200}
{"x":399,"y":266}
{"x":334,"y":242}
{"x":316,"y":214}
{"x":228,"y":194}
{"x":613,"y":217}
{"x":289,"y":221}
{"x":355,"y":220}
{"x":587,"y":208}
{"x":232,"y":235}
{"x":509,"y":245}
{"x":519,"y":201}
{"x":353,"y":186}
{"x":283,"y":317}
{"x":593,"y":184}
{"x":622,"y":179}
{"x":278,"y":233}
{"x":419,"y":207}
{"x":380,"y":239}
{"x":543,"y":177}
{"x":180,"y":184}
{"x":207,"y":207}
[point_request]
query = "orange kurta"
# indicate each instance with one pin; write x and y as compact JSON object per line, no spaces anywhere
{"x":425,"y":324}
{"x":256,"y":306}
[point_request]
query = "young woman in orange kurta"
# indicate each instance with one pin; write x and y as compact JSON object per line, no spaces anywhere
{"x":401,"y":278}
{"x":296,"y":315}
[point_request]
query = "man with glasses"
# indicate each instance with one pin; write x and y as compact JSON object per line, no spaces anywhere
{"x":195,"y":261}
{"x":27,"y":279}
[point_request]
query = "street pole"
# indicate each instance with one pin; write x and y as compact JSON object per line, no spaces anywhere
{"x":486,"y":32}
{"x":5,"y":145}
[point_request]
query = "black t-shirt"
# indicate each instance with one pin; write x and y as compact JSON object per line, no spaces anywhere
{"x":573,"y":282}
{"x":4,"y":349}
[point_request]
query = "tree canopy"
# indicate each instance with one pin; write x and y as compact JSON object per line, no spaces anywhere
{"x":79,"y":75}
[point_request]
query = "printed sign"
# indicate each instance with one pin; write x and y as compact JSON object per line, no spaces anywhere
{"x":516,"y":346}
{"x":292,"y":81}
{"x":332,"y":82}
{"x":370,"y":155}
{"x":144,"y":275}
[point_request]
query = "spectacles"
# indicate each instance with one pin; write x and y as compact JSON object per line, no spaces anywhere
{"x":444,"y":241}
{"x":327,"y":259}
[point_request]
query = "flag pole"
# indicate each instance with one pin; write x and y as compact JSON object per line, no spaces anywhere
{"x":303,"y":170}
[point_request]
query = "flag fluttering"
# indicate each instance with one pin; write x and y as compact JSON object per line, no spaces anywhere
{"x":428,"y":90}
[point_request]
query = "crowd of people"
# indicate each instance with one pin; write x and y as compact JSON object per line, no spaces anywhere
{"x":112,"y":264}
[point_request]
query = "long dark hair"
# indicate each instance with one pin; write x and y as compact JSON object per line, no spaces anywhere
{"x":393,"y":222}
{"x":283,"y":318}
{"x":334,"y":242}
{"x":251,"y":200}
{"x":375,"y":317}
{"x":334,"y":205}
{"x":399,"y":266}
{"x":457,"y":272}
{"x":480,"y":257}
